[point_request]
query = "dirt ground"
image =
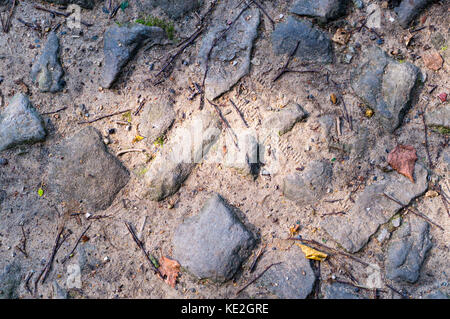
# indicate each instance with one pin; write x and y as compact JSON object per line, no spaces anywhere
{"x":118,"y":267}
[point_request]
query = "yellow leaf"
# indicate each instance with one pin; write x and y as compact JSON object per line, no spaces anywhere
{"x":311,"y":253}
{"x":138,"y":138}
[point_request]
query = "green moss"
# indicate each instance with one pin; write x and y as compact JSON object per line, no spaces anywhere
{"x":127,"y":116}
{"x":442,"y":129}
{"x":159,"y":141}
{"x":152,"y":21}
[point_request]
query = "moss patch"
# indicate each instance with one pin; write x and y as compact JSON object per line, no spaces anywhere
{"x":152,"y":21}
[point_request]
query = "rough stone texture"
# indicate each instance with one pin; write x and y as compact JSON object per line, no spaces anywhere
{"x":282,"y":121}
{"x":214,"y":243}
{"x":156,"y":118}
{"x":121,"y":45}
{"x":187,"y":147}
{"x":293,"y":278}
{"x":315,"y":44}
{"x":309,"y":186}
{"x":338,"y":290}
{"x":439,"y":118}
{"x":87,"y":4}
{"x":229,"y":60}
{"x":47,"y":71}
{"x":177,"y":8}
{"x":385,"y":85}
{"x":407,"y":251}
{"x":10,"y":279}
{"x":437,"y":295}
{"x":245,"y":159}
{"x":82,"y":169}
{"x":324,"y":10}
{"x":372,"y":209}
{"x":20,"y":123}
{"x":409,"y":9}
{"x":58,"y":292}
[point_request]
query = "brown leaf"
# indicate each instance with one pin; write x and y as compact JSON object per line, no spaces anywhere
{"x":432,"y":60}
{"x":169,"y":269}
{"x":403,"y":158}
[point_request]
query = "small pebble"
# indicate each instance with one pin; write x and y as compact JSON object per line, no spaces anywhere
{"x":3,"y":161}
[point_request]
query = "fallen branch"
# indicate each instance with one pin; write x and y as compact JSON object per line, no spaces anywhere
{"x":130,"y":150}
{"x":76,"y":245}
{"x":53,"y":112}
{"x":256,"y":278}
{"x":258,"y":255}
{"x":104,"y":116}
{"x":239,"y":113}
{"x":65,"y":15}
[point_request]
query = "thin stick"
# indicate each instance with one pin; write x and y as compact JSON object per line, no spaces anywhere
{"x":396,"y":291}
{"x":27,"y":282}
{"x":444,"y":199}
{"x":65,"y":15}
{"x":130,"y":150}
{"x":333,"y":213}
{"x":239,"y":113}
{"x":53,"y":112}
{"x":149,"y":257}
{"x":430,"y":163}
{"x":23,"y":249}
{"x":76,"y":245}
{"x":252,"y":267}
{"x":256,"y":278}
{"x":412,"y":211}
{"x":264,"y":11}
{"x":7,"y":24}
{"x":141,"y":105}
{"x":104,"y":116}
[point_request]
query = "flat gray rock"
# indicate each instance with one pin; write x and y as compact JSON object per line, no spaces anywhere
{"x":121,"y":45}
{"x":314,"y":44}
{"x":229,"y":60}
{"x":407,"y":251}
{"x":245,"y":159}
{"x":82,"y":170}
{"x":372,"y":209}
{"x":338,"y":290}
{"x":20,"y":123}
{"x":87,"y":4}
{"x":309,"y":186}
{"x":47,"y":71}
{"x":409,"y":9}
{"x":214,"y":243}
{"x":293,"y":278}
{"x":439,"y":118}
{"x":187,"y":146}
{"x":323,"y":10}
{"x":177,"y":8}
{"x":156,"y":118}
{"x":282,"y":121}
{"x":10,"y":279}
{"x":386,"y":86}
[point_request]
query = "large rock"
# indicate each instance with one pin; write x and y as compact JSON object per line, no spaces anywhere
{"x":407,"y":251}
{"x":439,"y":119}
{"x":409,"y":9}
{"x":47,"y":71}
{"x":314,"y":44}
{"x":309,"y":186}
{"x":121,"y":45}
{"x":386,"y":86}
{"x":338,"y":290}
{"x":324,"y":10}
{"x":282,"y":121}
{"x":87,"y":4}
{"x":156,"y":118}
{"x":229,"y":60}
{"x":177,"y":8}
{"x":20,"y":123}
{"x":214,"y":243}
{"x":82,"y":170}
{"x":187,"y":147}
{"x":10,"y":279}
{"x":372,"y":209}
{"x":293,"y":278}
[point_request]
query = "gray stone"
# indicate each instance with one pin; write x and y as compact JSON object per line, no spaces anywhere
{"x":310,"y":185}
{"x":446,"y":157}
{"x":187,"y":147}
{"x":386,"y":86}
{"x":10,"y":279}
{"x":121,"y":45}
{"x":338,"y":290}
{"x":47,"y":71}
{"x":372,"y":209}
{"x":409,"y":9}
{"x":282,"y":121}
{"x":229,"y":60}
{"x":214,"y":243}
{"x":439,"y":118}
{"x":437,"y":295}
{"x":58,"y":292}
{"x":87,"y":4}
{"x":82,"y":170}
{"x":245,"y":159}
{"x":293,"y":278}
{"x":407,"y":251}
{"x":156,"y":119}
{"x":314,"y":44}
{"x":20,"y":123}
{"x":177,"y":8}
{"x":323,"y":10}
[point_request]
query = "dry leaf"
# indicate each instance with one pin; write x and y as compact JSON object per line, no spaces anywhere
{"x":403,"y":158}
{"x":170,"y":269}
{"x":333,"y":98}
{"x":311,"y":253}
{"x":432,"y":60}
{"x":137,"y":138}
{"x":341,"y":36}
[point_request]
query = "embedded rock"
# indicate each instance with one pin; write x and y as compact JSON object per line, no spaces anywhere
{"x":282,"y":121}
{"x":409,"y":9}
{"x":156,"y":118}
{"x":324,"y":10}
{"x":10,"y":279}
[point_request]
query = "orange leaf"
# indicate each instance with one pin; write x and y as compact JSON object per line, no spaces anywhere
{"x":403,"y":158}
{"x":169,"y":269}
